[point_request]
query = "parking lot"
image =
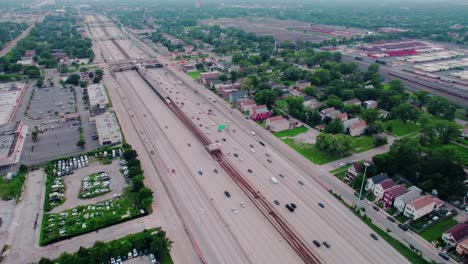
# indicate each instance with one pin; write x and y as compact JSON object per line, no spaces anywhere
{"x":48,"y":103}
{"x":73,"y":184}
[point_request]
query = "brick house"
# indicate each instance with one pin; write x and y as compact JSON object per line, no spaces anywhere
{"x":277,"y":123}
{"x":421,"y":206}
{"x":455,"y":234}
{"x":390,"y":194}
{"x":382,"y":187}
{"x":259,"y":113}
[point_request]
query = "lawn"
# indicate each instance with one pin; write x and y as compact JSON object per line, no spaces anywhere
{"x":292,"y":132}
{"x":435,"y":231}
{"x":341,"y":175}
{"x":281,"y":103}
{"x":401,"y":218}
{"x":401,"y":128}
{"x":460,"y":152}
{"x":310,"y":152}
{"x":361,"y":144}
{"x":194,"y":74}
{"x":12,"y":188}
{"x":340,"y":169}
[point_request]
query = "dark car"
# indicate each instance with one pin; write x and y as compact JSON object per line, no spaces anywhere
{"x":223,"y":139}
{"x":291,"y":209}
{"x":276,"y":202}
{"x":236,"y":155}
{"x":321,"y":205}
{"x":269,"y":160}
{"x":374,"y":236}
{"x":375,"y":207}
{"x":403,"y":227}
{"x":251,"y":145}
{"x":301,"y":182}
{"x":444,"y":256}
{"x":316,"y":243}
{"x":391,"y":219}
{"x":200,"y":173}
{"x":326,"y":244}
{"x":249,"y":170}
{"x":293,"y":205}
{"x":261,"y":143}
{"x":227,"y":194}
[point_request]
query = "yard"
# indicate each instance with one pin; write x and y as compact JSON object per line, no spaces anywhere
{"x":435,"y":231}
{"x":400,"y":128}
{"x":460,"y":152}
{"x":194,"y":74}
{"x":12,"y":188}
{"x":310,"y":152}
{"x":292,"y":132}
{"x":361,"y":144}
{"x":342,"y":168}
{"x":281,"y":103}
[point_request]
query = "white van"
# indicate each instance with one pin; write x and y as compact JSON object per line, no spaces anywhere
{"x":274,"y":180}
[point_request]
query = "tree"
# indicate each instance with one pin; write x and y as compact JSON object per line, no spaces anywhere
{"x":379,"y":140}
{"x":404,"y":158}
{"x":73,"y":79}
{"x":223,"y":77}
{"x":310,"y":90}
{"x":397,"y":86}
{"x":440,"y":106}
{"x":34,"y":135}
{"x":39,"y":83}
{"x":373,"y":68}
{"x":96,"y":80}
{"x":370,"y":115}
{"x":405,"y":112}
{"x":334,"y":144}
{"x":266,"y":97}
{"x":314,"y":118}
{"x":137,"y":182}
{"x":234,"y":76}
{"x":335,"y":126}
{"x":81,"y":142}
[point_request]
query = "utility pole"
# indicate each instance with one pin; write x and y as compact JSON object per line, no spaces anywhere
{"x":366,"y":164}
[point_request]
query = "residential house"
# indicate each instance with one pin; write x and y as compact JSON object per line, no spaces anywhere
{"x":421,"y":206}
{"x":465,"y":133}
{"x":259,"y":113}
{"x":462,"y":248}
{"x":227,"y":66}
{"x":371,"y":182}
{"x":59,"y":55}
{"x":312,"y":103}
{"x":234,"y":96}
{"x":328,"y":112}
{"x":342,"y":116}
{"x":29,"y":53}
{"x":354,"y":171}
{"x":245,"y":105}
{"x":189,"y":68}
{"x":412,"y":193}
{"x":352,"y":102}
{"x":226,"y":86}
{"x":370,"y":104}
{"x":206,"y":77}
{"x":277,"y":123}
{"x":188,"y":48}
{"x":370,"y":86}
{"x":226,"y":92}
{"x":383,"y":186}
{"x":301,"y":84}
{"x":455,"y":234}
{"x":355,"y":126}
{"x":390,"y":194}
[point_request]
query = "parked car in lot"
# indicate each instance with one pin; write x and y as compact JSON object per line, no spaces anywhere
{"x":374,"y":236}
{"x":152,"y":259}
{"x":316,"y":243}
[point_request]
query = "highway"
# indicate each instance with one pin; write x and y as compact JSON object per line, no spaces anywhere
{"x":221,"y":236}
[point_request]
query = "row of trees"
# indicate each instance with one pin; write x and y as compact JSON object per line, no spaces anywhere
{"x":154,"y":241}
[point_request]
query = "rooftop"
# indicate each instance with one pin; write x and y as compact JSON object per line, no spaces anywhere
{"x":10,"y":94}
{"x":459,"y":231}
{"x":424,"y":201}
{"x":108,"y":129}
{"x":97,"y":95}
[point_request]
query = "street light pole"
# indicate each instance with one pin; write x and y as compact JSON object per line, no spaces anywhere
{"x":366,"y":164}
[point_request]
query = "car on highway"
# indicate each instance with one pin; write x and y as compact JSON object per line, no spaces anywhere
{"x":326,"y":244}
{"x":391,"y":219}
{"x":227,"y":194}
{"x":269,"y":160}
{"x":242,"y":204}
{"x":321,"y":205}
{"x":274,"y":180}
{"x":301,"y":182}
{"x":289,"y":207}
{"x":200,"y":173}
{"x":249,"y":170}
{"x":374,"y":236}
{"x":234,"y":211}
{"x":316,"y":243}
{"x":276,"y":202}
{"x":293,"y":205}
{"x":261,"y":143}
{"x":403,"y":227}
{"x":251,"y":145}
{"x":375,"y":207}
{"x":236,"y":155}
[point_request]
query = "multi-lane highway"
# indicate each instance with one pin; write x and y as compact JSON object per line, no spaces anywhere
{"x":214,"y":228}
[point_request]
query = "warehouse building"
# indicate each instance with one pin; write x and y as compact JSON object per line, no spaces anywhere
{"x":10,"y":96}
{"x":12,"y":137}
{"x":97,"y":96}
{"x":108,"y":129}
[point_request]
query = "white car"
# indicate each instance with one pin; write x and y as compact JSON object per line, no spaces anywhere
{"x":152,"y":258}
{"x":242,"y":204}
{"x":234,"y":211}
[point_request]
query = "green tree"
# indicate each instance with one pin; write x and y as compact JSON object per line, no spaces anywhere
{"x":335,"y":126}
{"x":73,"y":79}
{"x":370,"y":115}
{"x":266,"y":97}
{"x":397,"y":86}
{"x":34,"y":135}
{"x":439,"y":106}
{"x":223,"y":77}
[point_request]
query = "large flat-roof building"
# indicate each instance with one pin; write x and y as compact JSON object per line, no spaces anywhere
{"x":97,"y":96}
{"x":12,"y":136}
{"x":10,"y":95}
{"x":108,"y":129}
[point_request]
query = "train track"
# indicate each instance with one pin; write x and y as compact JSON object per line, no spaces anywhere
{"x":296,"y":243}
